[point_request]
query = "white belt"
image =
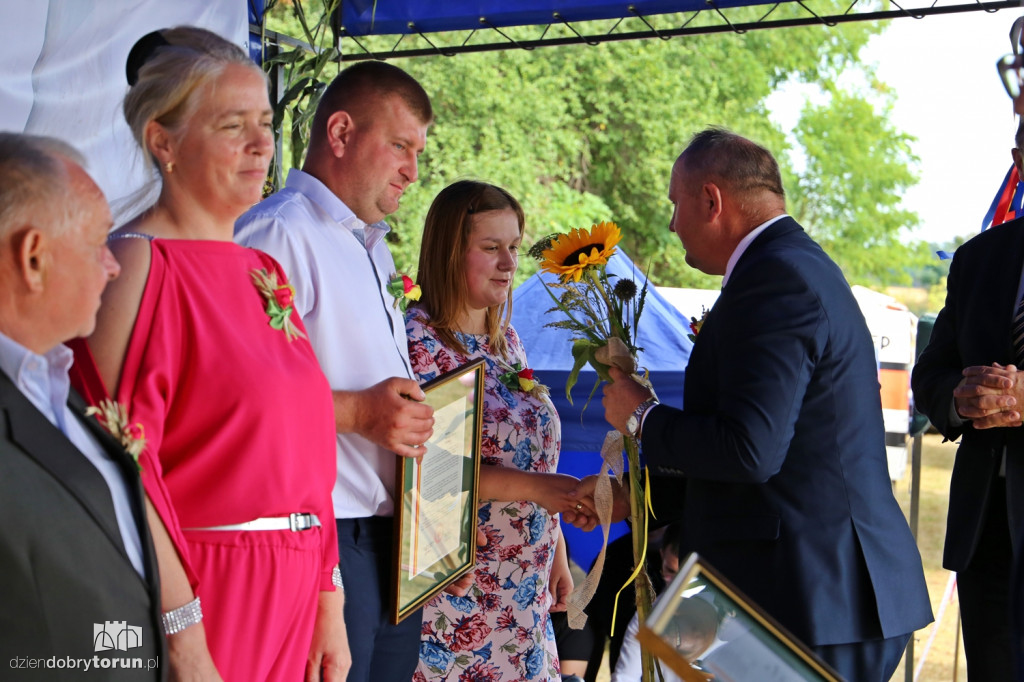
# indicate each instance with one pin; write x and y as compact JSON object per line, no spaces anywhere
{"x":293,"y":522}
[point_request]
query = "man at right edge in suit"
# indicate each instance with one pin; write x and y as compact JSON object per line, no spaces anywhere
{"x":779,"y":454}
{"x":77,"y":571}
{"x":968,"y":384}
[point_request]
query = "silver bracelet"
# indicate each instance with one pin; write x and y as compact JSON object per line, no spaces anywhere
{"x":176,"y":620}
{"x":336,"y":578}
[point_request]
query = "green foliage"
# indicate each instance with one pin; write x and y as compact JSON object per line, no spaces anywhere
{"x":581,"y":134}
{"x":303,"y":75}
{"x":858,"y":168}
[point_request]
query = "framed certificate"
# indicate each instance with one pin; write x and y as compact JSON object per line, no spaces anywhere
{"x":435,"y":516}
{"x":704,"y":629}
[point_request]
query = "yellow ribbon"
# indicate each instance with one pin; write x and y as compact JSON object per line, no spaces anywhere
{"x":643,"y":555}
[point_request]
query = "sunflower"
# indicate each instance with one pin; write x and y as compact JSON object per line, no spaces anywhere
{"x":571,"y":254}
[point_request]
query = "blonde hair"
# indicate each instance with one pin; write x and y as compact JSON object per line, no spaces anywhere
{"x":172,"y":74}
{"x":442,"y":259}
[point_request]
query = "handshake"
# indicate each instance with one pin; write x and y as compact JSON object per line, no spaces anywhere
{"x":578,"y":507}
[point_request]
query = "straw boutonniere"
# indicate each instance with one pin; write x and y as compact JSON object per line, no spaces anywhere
{"x":696,"y":324}
{"x":113,"y":416}
{"x":279,"y":302}
{"x":404,"y":289}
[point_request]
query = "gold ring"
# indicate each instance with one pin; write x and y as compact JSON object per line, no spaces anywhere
{"x":579,"y":506}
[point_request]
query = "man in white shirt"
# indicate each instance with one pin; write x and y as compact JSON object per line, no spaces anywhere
{"x":77,"y":568}
{"x":327,"y":230}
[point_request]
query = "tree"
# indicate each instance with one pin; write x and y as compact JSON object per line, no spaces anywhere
{"x":581,"y":134}
{"x":858,"y":168}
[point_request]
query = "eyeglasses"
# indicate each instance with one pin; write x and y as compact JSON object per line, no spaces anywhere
{"x":1011,"y":73}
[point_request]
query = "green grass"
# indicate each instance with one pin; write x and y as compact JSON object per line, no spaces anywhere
{"x":936,"y":466}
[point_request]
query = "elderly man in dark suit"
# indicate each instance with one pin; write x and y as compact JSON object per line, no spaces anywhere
{"x":780,"y":447}
{"x":77,"y":571}
{"x":967,"y":382}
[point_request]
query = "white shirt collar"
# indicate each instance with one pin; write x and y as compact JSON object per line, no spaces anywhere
{"x":320,"y":194}
{"x":42,"y":378}
{"x":745,"y":242}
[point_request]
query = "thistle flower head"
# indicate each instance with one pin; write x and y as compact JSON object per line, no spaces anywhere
{"x":625,"y":289}
{"x":540,"y":246}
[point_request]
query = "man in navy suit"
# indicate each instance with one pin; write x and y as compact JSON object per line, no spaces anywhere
{"x":781,"y":446}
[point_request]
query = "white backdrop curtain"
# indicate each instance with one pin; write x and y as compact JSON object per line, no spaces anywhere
{"x":65,"y":76}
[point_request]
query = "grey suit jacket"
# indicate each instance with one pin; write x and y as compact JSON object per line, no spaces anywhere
{"x":71,"y":599}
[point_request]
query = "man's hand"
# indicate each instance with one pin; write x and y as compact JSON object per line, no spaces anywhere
{"x":585,"y":494}
{"x":390,"y":414}
{"x":621,"y":397}
{"x":989,"y":396}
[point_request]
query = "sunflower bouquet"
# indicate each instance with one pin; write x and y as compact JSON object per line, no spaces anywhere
{"x":602,"y":311}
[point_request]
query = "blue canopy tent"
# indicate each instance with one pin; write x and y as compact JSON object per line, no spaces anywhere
{"x":580,"y":21}
{"x":666,"y":351}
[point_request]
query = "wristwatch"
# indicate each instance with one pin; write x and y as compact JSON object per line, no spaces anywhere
{"x":636,"y":419}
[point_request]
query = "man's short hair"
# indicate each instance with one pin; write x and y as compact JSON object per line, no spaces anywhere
{"x":34,"y":182}
{"x":363,"y":84}
{"x":739,"y":164}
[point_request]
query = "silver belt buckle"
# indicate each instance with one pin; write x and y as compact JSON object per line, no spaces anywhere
{"x":299,"y":522}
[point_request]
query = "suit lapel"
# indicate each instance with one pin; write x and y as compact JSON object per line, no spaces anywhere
{"x":130,"y":471}
{"x":45,"y":443}
{"x":1006,"y":296}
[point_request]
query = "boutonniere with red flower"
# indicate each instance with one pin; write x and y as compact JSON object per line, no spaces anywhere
{"x":404,"y":289}
{"x":520,"y":378}
{"x":696,"y":324}
{"x":114,"y":418}
{"x":280,"y":302}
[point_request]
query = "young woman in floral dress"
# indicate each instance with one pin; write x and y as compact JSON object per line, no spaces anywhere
{"x":501,"y":630}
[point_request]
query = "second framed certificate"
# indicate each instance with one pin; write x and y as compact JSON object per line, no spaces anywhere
{"x":435,"y":516}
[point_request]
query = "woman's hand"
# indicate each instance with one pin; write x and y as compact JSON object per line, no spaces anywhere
{"x":561,"y":578}
{"x":189,"y":658}
{"x":329,"y":657}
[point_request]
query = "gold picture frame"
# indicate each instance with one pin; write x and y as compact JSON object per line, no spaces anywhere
{"x":436,"y":508}
{"x":704,"y":629}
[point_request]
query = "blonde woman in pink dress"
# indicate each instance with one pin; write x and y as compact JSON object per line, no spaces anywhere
{"x":200,"y":347}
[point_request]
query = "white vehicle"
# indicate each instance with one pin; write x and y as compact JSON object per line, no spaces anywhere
{"x":894,"y":332}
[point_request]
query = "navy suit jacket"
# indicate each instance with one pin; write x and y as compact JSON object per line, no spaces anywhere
{"x":781,"y":449}
{"x":63,"y":566}
{"x":974,"y":329}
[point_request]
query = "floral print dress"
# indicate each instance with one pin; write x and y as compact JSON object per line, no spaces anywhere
{"x":501,"y":630}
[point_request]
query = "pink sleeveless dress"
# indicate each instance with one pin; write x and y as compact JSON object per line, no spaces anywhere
{"x":238,"y":422}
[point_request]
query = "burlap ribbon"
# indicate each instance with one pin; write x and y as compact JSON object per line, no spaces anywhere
{"x":616,"y":354}
{"x":611,"y":458}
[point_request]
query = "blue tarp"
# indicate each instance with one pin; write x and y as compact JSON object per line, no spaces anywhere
{"x":666,"y":351}
{"x":367,"y":17}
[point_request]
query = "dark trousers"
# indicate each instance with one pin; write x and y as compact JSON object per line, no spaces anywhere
{"x":872,"y":661}
{"x":984,"y":593}
{"x":381,"y":652}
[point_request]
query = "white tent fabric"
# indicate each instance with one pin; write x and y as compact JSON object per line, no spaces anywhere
{"x":64,"y":72}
